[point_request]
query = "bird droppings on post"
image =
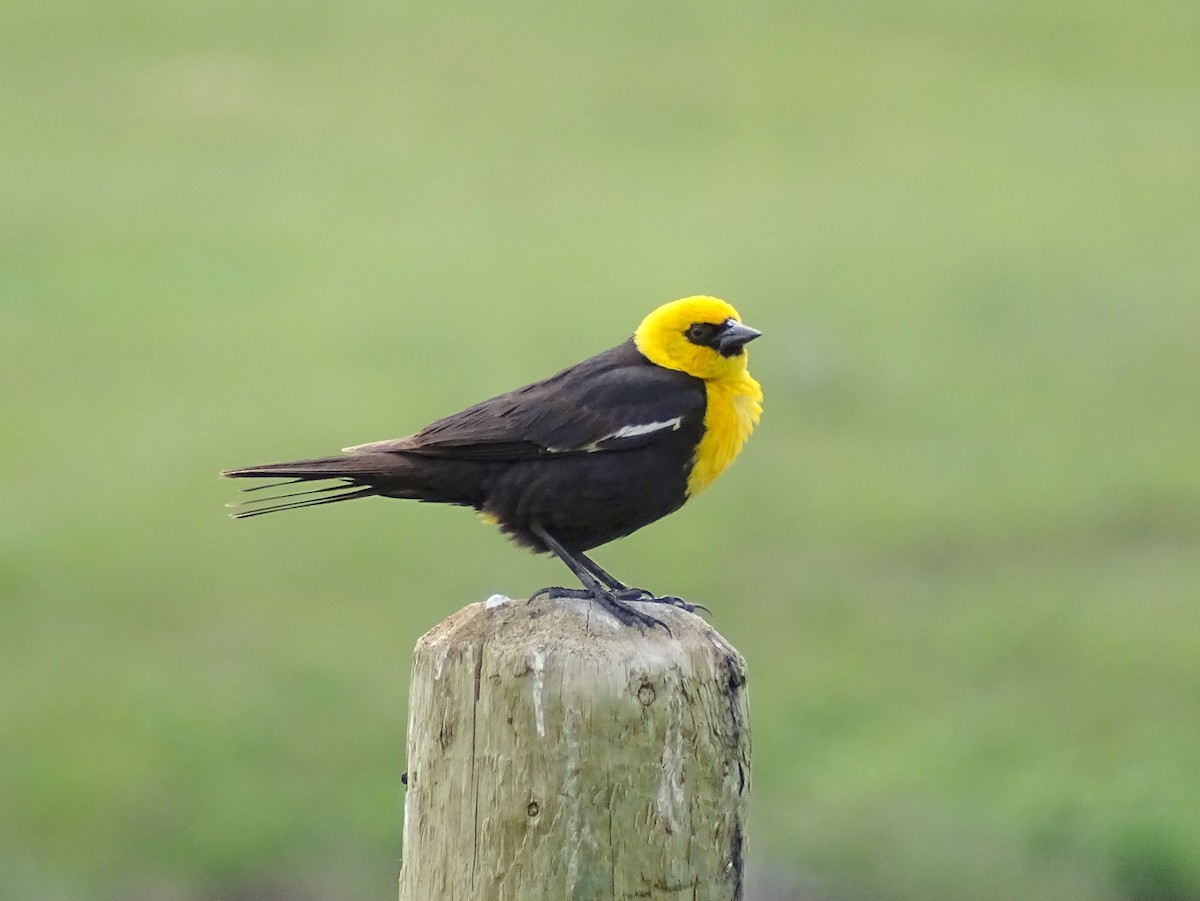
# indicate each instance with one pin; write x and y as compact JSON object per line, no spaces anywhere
{"x":587,"y":762}
{"x":495,"y":601}
{"x":574,"y":837}
{"x":670,"y":798}
{"x":539,"y":682}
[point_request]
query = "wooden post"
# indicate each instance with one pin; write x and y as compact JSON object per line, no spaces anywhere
{"x":554,"y":754}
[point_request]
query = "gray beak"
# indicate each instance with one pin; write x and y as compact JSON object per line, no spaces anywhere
{"x":734,"y":337}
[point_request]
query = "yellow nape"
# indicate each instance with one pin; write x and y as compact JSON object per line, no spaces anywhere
{"x":734,"y":398}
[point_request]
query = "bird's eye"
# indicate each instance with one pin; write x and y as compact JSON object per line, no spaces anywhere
{"x":701,"y":332}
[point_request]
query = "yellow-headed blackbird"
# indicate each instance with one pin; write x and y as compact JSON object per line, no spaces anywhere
{"x":586,"y":456}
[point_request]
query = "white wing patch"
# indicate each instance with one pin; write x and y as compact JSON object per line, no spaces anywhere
{"x":636,"y":431}
{"x":625,"y":431}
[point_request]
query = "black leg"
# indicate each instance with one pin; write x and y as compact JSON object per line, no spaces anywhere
{"x":607,"y":597}
{"x":602,"y":574}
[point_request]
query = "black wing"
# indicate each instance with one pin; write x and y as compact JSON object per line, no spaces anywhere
{"x":616,"y":400}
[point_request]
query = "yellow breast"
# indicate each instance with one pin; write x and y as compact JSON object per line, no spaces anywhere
{"x":734,"y":407}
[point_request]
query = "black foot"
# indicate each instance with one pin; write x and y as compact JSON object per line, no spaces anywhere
{"x":615,"y":602}
{"x":642,"y":596}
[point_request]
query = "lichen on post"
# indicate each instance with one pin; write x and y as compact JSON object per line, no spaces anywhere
{"x":556,"y":754}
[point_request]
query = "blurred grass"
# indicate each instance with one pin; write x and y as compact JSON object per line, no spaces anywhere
{"x":960,"y":554}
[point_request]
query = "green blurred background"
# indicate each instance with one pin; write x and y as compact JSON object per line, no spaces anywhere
{"x":960,"y":554}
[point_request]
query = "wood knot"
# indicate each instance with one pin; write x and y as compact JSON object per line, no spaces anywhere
{"x":646,"y":694}
{"x":532,"y":810}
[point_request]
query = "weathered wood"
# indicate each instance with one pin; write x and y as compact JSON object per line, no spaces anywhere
{"x":554,"y":754}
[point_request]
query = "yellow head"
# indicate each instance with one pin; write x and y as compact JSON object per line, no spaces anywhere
{"x":702,"y":336}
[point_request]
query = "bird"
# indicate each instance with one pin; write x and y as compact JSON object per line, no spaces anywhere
{"x":584,"y":457}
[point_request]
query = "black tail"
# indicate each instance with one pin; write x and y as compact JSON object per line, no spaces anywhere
{"x":358,"y":476}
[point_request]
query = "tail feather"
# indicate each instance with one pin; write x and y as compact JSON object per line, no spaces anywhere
{"x":355,"y":475}
{"x":349,"y":466}
{"x":342,"y":485}
{"x":350,"y":492}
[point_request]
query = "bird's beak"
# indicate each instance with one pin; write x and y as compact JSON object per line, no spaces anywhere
{"x":734,"y":337}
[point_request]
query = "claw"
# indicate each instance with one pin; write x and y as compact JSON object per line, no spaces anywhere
{"x":681,"y":604}
{"x":642,"y":596}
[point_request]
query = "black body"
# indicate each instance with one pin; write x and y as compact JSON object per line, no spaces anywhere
{"x":573,"y":456}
